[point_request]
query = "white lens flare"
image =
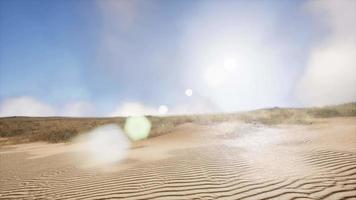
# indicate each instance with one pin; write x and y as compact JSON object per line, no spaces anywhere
{"x":221,"y":73}
{"x":137,"y":128}
{"x":230,"y":64}
{"x":163,"y":109}
{"x":107,"y":144}
{"x":188,"y":92}
{"x":215,"y":76}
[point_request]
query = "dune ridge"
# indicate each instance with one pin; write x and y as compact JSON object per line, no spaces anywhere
{"x":17,"y":129}
{"x":197,"y":161}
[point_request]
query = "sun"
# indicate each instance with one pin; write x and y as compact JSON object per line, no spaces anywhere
{"x":218,"y":74}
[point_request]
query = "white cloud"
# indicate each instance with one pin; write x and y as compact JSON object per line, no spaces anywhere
{"x":194,"y":106}
{"x":29,"y":106}
{"x":330,"y":76}
{"x":78,"y":109}
{"x":25,"y":106}
{"x":187,"y":109}
{"x":134,"y":109}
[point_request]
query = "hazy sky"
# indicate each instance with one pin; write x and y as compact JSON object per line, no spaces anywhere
{"x":123,"y":57}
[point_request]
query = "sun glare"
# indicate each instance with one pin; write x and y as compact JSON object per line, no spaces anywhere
{"x":230,"y":64}
{"x":215,"y":76}
{"x":188,"y":92}
{"x":218,"y":74}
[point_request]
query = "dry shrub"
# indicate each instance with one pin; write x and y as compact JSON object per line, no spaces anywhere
{"x":62,"y":129}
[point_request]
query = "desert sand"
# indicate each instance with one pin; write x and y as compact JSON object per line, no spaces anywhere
{"x":232,"y":160}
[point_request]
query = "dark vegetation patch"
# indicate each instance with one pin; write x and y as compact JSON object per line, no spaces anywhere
{"x":62,"y":129}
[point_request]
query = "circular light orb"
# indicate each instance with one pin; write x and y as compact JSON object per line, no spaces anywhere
{"x":138,"y":127}
{"x":230,"y":64}
{"x":189,"y":92}
{"x":163,"y":109}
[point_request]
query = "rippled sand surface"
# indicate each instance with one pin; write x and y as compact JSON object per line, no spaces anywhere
{"x":220,"y":161}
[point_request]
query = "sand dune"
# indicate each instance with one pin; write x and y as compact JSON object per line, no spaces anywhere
{"x":220,"y":161}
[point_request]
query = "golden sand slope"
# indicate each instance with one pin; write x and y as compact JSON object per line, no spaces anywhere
{"x":221,"y":161}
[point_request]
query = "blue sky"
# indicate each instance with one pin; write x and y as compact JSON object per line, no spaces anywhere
{"x":120,"y":57}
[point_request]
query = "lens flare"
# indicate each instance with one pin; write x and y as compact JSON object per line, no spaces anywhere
{"x":230,"y":64}
{"x":215,"y":76}
{"x":106,"y":144}
{"x":137,"y":128}
{"x":188,"y":92}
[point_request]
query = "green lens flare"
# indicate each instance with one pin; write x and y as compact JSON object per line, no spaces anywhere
{"x":137,"y":128}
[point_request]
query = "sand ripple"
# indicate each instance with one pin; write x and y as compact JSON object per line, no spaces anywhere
{"x":217,"y":170}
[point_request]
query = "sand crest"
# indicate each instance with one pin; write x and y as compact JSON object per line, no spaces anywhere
{"x":219,"y":161}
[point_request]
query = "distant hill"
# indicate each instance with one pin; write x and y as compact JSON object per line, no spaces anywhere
{"x":62,"y":129}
